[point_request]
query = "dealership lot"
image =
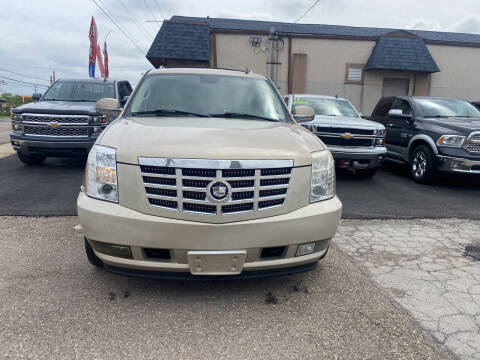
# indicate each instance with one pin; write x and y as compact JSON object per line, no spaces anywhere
{"x":394,"y":288}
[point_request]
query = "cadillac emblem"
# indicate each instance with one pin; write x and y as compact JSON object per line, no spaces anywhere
{"x":347,"y":136}
{"x":218,"y":191}
{"x":53,"y":125}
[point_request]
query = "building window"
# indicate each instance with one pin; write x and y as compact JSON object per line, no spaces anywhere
{"x":354,"y":74}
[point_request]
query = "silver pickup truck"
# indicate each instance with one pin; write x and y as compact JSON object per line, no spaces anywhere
{"x":354,"y":142}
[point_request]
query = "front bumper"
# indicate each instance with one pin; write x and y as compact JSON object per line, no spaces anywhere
{"x":116,"y":224}
{"x":458,"y":165}
{"x":358,"y":158}
{"x":50,"y":146}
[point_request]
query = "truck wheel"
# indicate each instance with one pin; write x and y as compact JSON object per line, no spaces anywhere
{"x":92,"y":258}
{"x":422,"y":164}
{"x":31,"y":159}
{"x":367,"y":173}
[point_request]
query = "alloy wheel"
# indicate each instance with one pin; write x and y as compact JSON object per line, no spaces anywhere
{"x":419,"y":164}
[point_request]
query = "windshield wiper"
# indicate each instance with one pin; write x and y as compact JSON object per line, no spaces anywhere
{"x":463,"y":116}
{"x":242,"y":116}
{"x":165,"y":112}
{"x":437,"y":116}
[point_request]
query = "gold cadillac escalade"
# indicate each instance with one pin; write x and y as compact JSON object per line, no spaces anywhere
{"x":205,"y":173}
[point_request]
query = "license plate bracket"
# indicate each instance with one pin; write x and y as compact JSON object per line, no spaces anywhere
{"x":228,"y":262}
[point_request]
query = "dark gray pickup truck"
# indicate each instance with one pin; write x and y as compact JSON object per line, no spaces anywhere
{"x":431,"y":134}
{"x":63,"y":122}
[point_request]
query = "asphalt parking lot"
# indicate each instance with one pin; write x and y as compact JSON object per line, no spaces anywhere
{"x":51,"y":190}
{"x":388,"y":289}
{"x":54,"y":305}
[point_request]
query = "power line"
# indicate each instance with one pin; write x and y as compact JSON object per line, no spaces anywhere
{"x":23,"y":82}
{"x":143,"y":30}
{"x":26,"y":76}
{"x":151,"y":13}
{"x":159,"y":10}
{"x":118,"y":26}
{"x":306,"y":12}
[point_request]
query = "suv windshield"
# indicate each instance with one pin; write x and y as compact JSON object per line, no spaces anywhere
{"x":446,"y":108}
{"x":208,"y":95}
{"x":79,"y":91}
{"x":329,"y":107}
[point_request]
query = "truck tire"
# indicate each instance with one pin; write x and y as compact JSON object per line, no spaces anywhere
{"x":31,"y":159}
{"x":92,"y":258}
{"x":422,"y":164}
{"x":367,"y":173}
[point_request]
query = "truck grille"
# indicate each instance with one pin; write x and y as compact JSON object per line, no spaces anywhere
{"x":56,"y":125}
{"x":186,"y":189}
{"x":61,"y":131}
{"x":473,"y":143}
{"x":338,"y":136}
{"x":60,"y":119}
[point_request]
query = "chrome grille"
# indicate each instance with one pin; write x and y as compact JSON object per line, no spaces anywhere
{"x":346,"y":137}
{"x":473,"y":143}
{"x":60,"y":119}
{"x":61,"y":131}
{"x":182,"y":184}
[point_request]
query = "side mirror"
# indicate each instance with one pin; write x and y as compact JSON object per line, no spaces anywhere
{"x":108,"y":107}
{"x":398,"y":114}
{"x":36,"y":96}
{"x":123,"y":101}
{"x":303,"y":113}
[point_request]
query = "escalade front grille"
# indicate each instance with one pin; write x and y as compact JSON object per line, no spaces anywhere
{"x":473,"y":143}
{"x":184,"y":185}
{"x":346,"y":137}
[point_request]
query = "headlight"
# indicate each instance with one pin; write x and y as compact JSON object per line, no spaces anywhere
{"x":16,"y":117}
{"x":323,"y":176}
{"x":451,"y":141}
{"x":100,"y":120}
{"x":382,"y":133}
{"x":101,"y":173}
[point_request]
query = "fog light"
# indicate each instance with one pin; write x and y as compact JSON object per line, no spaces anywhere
{"x":305,"y":249}
{"x":121,"y":251}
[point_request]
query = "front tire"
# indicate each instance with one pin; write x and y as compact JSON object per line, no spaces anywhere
{"x":92,"y":258}
{"x":367,"y":173}
{"x":422,"y":164}
{"x":31,"y":160}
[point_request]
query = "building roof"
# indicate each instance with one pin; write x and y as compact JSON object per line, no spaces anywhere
{"x":188,"y":38}
{"x":401,"y":53}
{"x":181,"y":41}
{"x":321,"y":29}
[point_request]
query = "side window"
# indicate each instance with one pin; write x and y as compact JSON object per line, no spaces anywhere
{"x":124,"y":89}
{"x":403,"y":105}
{"x":381,"y":111}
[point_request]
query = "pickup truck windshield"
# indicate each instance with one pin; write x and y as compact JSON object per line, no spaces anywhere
{"x":440,"y":108}
{"x":207,"y":95}
{"x":329,"y":107}
{"x":79,"y":91}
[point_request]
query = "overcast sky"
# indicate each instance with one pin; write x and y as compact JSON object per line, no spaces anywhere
{"x":40,"y":36}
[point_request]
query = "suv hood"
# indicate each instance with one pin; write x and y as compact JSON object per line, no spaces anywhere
{"x":209,"y":138}
{"x":58,"y":107}
{"x":343,"y":121}
{"x":462,"y":126}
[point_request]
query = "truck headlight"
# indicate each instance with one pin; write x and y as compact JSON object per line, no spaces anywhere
{"x":455,"y":141}
{"x":101,"y":173}
{"x":323,"y":176}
